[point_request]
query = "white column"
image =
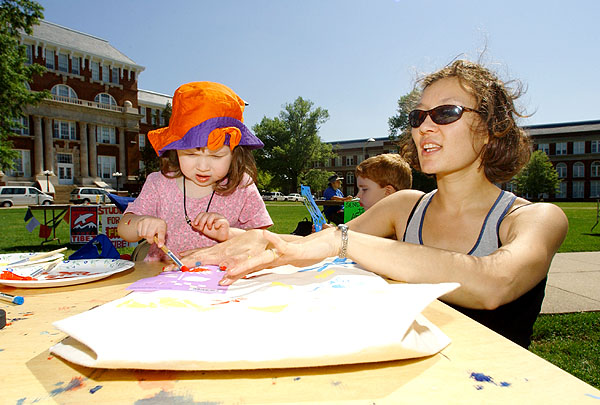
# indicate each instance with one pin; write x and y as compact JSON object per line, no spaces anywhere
{"x":83,"y":152}
{"x":92,"y":151}
{"x":48,"y":145}
{"x":38,"y":145}
{"x":122,"y":159}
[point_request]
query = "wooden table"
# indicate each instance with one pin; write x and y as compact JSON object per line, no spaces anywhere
{"x":479,"y":366}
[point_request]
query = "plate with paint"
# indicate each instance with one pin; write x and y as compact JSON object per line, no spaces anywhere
{"x":62,"y":273}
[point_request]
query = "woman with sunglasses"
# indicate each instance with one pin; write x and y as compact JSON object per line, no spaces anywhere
{"x":497,"y":246}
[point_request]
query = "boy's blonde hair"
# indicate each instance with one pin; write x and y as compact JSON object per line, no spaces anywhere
{"x":386,"y":169}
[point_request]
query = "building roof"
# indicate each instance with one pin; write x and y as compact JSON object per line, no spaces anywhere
{"x":63,"y":37}
{"x":147,"y":97}
{"x":563,"y":128}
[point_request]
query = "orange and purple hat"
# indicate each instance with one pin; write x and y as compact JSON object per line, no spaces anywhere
{"x":205,"y":114}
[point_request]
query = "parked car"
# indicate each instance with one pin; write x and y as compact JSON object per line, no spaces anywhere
{"x":23,"y":195}
{"x":294,"y":197}
{"x":273,"y":196}
{"x":86,"y":195}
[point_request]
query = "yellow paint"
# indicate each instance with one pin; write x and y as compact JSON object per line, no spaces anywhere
{"x":279,"y":284}
{"x":135,"y":304}
{"x":325,"y":274}
{"x":272,"y":308}
{"x":198,"y":307}
{"x":171,"y":302}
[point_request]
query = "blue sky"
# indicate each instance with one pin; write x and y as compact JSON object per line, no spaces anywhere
{"x":353,"y":58}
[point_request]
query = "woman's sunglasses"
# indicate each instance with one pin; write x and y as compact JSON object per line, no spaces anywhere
{"x":441,"y":115}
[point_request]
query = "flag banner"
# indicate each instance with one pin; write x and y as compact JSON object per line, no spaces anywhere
{"x":31,"y":225}
{"x":28,"y":215}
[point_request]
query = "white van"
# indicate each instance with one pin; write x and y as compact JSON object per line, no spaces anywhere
{"x":23,"y":195}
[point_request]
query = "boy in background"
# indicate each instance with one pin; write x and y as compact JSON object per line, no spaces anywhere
{"x":381,"y":175}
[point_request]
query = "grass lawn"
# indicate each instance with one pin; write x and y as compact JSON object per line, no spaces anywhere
{"x":570,"y":341}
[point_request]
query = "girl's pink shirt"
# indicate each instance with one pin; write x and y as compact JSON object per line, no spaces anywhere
{"x":160,"y":197}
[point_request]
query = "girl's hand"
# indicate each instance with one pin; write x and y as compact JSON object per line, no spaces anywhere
{"x":148,"y":227}
{"x":213,"y":225}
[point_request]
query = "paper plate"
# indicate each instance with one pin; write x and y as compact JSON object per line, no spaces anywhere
{"x":68,"y":272}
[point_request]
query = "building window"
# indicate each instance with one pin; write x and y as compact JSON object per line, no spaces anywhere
{"x":63,"y":62}
{"x":562,"y":193}
{"x":141,"y":166}
{"x":595,"y":188}
{"x":578,"y":147}
{"x":143,"y":112}
{"x":64,"y":158}
{"x":350,"y":178}
{"x":132,"y":75}
{"x":64,"y":130}
{"x":154,"y":115}
{"x":106,"y":135}
{"x":107,"y":165}
{"x":23,"y":129}
{"x":22,"y":167}
{"x":350,"y":161}
{"x":106,"y":99}
{"x":75,"y":66}
{"x":595,"y":169}
{"x":544,"y":147}
{"x":338,"y":161}
{"x":50,"y":59}
{"x":105,"y":73}
{"x":561,"y":148}
{"x":62,"y":91}
{"x":162,"y":118}
{"x":561,"y":169}
{"x":578,"y":189}
{"x":114,"y":77}
{"x":595,"y":146}
{"x":29,"y":53}
{"x":578,"y":170}
{"x":95,"y":71}
{"x":142,"y":141}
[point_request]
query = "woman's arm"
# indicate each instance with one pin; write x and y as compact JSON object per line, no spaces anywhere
{"x":532,"y":235}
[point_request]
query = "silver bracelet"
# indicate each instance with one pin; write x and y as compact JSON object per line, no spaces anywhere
{"x":344,"y":229}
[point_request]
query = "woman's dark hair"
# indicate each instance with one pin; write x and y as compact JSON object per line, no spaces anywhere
{"x":509,"y":147}
{"x":242,"y":163}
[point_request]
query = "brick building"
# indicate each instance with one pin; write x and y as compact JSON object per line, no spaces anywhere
{"x":91,"y":127}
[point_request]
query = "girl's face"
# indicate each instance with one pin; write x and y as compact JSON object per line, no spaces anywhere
{"x":444,"y":149}
{"x":369,"y":192}
{"x":203,"y":166}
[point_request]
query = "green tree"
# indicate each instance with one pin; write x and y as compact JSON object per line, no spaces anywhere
{"x":398,"y":124}
{"x":292,"y":143}
{"x":537,"y":177}
{"x":316,"y":179}
{"x":16,"y":16}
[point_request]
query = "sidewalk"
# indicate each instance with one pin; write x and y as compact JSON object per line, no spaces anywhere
{"x":573,"y":283}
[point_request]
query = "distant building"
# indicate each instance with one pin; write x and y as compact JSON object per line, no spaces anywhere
{"x":573,"y":149}
{"x":96,"y":120}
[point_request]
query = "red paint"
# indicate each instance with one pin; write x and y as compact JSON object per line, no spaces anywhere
{"x":185,"y":268}
{"x":9,"y":275}
{"x":223,"y":268}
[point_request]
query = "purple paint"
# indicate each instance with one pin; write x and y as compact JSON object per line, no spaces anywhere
{"x":76,"y":382}
{"x":164,"y":397}
{"x":96,"y":388}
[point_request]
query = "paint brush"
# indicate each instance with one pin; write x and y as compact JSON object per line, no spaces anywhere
{"x":37,"y":257}
{"x":15,"y":299}
{"x":172,"y":256}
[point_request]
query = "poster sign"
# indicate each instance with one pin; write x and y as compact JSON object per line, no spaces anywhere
{"x":84,"y":223}
{"x":352,"y":209}
{"x":110,"y":216}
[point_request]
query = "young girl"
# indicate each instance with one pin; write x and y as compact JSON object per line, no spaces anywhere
{"x":205,"y":189}
{"x":497,"y":246}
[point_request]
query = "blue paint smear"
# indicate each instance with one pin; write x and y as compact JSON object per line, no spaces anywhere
{"x":336,"y":383}
{"x":592,"y":396}
{"x":21,"y":401}
{"x":1,"y":350}
{"x":74,"y":383}
{"x":296,"y":379}
{"x":96,"y":388}
{"x":505,"y":384}
{"x":482,"y":377}
{"x":479,"y":387}
{"x":164,"y":397}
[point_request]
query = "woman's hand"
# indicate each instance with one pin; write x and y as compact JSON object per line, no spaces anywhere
{"x":300,"y":252}
{"x":213,"y":225}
